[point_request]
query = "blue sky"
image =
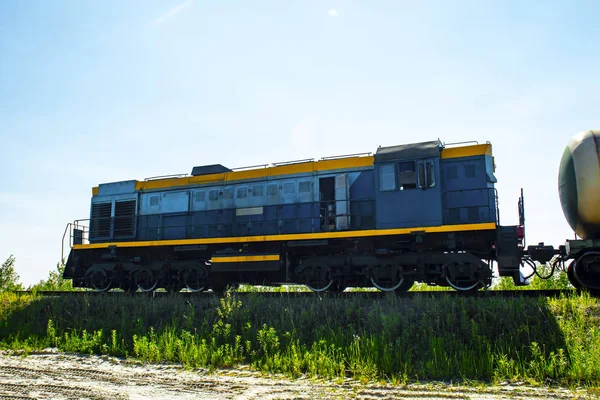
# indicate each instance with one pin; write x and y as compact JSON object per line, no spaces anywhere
{"x":95,"y":92}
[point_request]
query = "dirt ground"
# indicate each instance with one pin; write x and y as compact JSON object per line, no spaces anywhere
{"x":53,"y":375}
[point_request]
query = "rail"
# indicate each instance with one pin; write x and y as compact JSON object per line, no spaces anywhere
{"x":368,"y":294}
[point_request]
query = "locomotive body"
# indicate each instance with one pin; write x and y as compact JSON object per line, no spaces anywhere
{"x":417,"y":212}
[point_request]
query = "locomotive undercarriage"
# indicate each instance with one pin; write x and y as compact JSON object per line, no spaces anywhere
{"x":390,"y":264}
{"x":461,"y":270}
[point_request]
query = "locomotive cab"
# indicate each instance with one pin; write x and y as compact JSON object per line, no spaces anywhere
{"x":407,"y":191}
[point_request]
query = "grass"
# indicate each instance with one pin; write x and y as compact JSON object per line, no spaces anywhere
{"x":393,"y":339}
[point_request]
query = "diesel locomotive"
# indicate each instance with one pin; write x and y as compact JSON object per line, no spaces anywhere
{"x":421,"y":212}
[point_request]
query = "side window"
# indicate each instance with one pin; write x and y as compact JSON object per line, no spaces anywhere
{"x":272,"y":194}
{"x":241,"y":196}
{"x":426,"y":174}
{"x":258,"y":191}
{"x":289,"y":188}
{"x":304,"y":191}
{"x":304,"y":187}
{"x":228,"y":193}
{"x":407,"y":176}
{"x":151,"y":204}
{"x":200,"y":197}
{"x":430,"y":174}
{"x":213,"y":200}
{"x":289,"y":193}
{"x":242,"y":192}
{"x":387,"y":177}
{"x":199,"y":201}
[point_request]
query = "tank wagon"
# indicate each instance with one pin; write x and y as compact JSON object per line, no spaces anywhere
{"x":421,"y":212}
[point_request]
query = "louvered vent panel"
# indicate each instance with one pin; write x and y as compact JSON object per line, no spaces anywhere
{"x":100,"y":221}
{"x":124,"y":218}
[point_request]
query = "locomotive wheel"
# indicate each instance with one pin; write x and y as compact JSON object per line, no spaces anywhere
{"x":389,"y":278}
{"x":317,"y":277}
{"x":459,"y":277}
{"x":98,"y":280}
{"x":145,"y":280}
{"x":195,"y":280}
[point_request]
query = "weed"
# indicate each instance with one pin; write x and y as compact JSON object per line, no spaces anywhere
{"x":391,"y":339}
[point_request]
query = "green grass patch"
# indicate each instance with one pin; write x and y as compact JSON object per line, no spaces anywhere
{"x":395,"y":339}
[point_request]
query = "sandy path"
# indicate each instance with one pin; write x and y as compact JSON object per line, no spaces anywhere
{"x":53,"y":375}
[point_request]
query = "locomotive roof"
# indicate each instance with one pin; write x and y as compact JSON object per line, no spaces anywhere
{"x":328,"y":165}
{"x":408,"y":151}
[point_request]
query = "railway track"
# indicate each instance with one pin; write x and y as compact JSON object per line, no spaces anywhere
{"x":351,"y":294}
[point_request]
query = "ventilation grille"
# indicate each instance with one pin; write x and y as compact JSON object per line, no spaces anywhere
{"x":100,"y":222}
{"x":124,"y":218}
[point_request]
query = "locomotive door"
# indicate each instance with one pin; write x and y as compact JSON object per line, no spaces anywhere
{"x":419,"y":197}
{"x":342,"y":202}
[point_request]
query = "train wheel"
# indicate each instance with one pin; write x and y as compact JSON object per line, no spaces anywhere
{"x":460,"y":277}
{"x":389,"y":278}
{"x":145,"y":280}
{"x":317,"y":277}
{"x":195,"y":280}
{"x":98,"y":280}
{"x":586,"y":272}
{"x":576,"y":284}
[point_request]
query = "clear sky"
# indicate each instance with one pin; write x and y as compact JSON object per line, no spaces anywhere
{"x":101,"y":91}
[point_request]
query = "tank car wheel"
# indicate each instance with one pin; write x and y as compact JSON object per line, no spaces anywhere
{"x":145,"y":280}
{"x":98,"y":280}
{"x":586,"y":272}
{"x":571,"y":276}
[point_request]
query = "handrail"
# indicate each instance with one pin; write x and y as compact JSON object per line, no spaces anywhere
{"x":457,"y":143}
{"x":306,"y":160}
{"x":152,"y":178}
{"x":62,"y":248}
{"x":250,"y":167}
{"x":319,"y":217}
{"x":346,"y":156}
